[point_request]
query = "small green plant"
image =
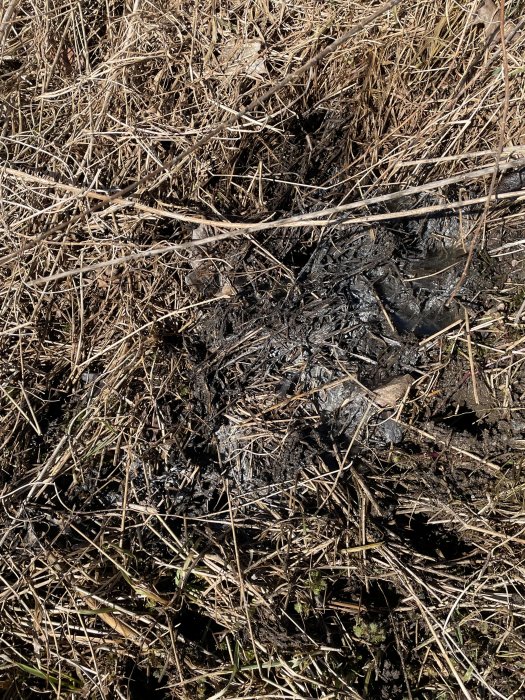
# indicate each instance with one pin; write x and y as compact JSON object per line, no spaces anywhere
{"x":65,"y":681}
{"x":317,"y":584}
{"x":370,"y":632}
{"x":301,"y":608}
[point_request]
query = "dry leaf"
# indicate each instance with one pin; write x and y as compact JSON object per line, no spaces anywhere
{"x":487,"y":15}
{"x":390,"y":394}
{"x":227,"y":289}
{"x":200,"y":232}
{"x":242,"y":57}
{"x":203,"y":271}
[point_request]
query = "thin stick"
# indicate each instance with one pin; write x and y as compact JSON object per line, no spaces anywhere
{"x":301,"y":220}
{"x":471,"y":359}
{"x":290,"y":222}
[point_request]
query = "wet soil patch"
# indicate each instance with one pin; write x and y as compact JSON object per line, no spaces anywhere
{"x":318,"y":361}
{"x":314,"y":333}
{"x":320,"y":340}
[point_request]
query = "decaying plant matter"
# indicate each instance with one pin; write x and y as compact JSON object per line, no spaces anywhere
{"x":261,"y":349}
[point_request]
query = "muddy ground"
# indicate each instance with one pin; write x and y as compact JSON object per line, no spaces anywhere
{"x":289,"y":463}
{"x":321,"y":336}
{"x":334,"y":353}
{"x":332,"y":429}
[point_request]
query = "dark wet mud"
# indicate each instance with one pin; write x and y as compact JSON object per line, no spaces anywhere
{"x":317,"y":333}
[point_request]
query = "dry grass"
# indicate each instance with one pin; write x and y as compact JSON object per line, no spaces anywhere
{"x":128,"y":569}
